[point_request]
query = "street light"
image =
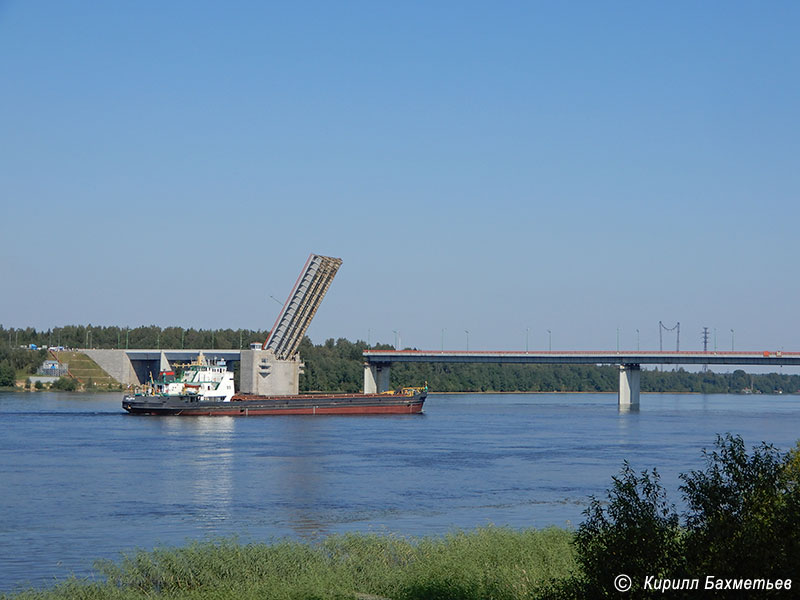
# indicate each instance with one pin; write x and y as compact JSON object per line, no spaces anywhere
{"x":549,"y":341}
{"x":637,"y":340}
{"x":527,"y":331}
{"x":443,"y":330}
{"x":732,"y":339}
{"x":467,"y":332}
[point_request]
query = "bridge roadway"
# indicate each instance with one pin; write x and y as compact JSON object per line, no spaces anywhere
{"x":377,"y":363}
{"x":181,"y":355}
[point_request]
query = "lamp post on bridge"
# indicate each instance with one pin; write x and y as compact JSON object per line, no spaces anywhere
{"x":467,"y":332}
{"x":443,"y":330}
{"x":637,"y":340}
{"x":549,"y":341}
{"x":732,"y":339}
{"x":527,"y":331}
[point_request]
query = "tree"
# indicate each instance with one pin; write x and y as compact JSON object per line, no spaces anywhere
{"x":636,"y":533}
{"x":742,"y":521}
{"x":7,"y":374}
{"x":743,"y":511}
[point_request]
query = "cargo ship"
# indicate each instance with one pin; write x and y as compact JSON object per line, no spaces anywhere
{"x":206,"y":389}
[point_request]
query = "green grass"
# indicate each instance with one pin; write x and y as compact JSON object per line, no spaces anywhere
{"x":86,"y":370}
{"x":488,"y":563}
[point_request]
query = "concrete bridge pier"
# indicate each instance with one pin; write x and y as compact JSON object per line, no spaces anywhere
{"x":376,"y":377}
{"x":261,"y":373}
{"x":629,"y":376}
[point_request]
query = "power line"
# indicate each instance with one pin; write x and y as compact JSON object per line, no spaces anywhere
{"x":662,"y":328}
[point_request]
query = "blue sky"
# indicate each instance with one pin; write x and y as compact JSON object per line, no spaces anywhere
{"x":491,"y":167}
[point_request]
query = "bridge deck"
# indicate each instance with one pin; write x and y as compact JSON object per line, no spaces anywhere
{"x":763,"y":358}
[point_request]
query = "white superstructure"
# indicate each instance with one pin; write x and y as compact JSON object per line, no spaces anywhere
{"x":200,"y":379}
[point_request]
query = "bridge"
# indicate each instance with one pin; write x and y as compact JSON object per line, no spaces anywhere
{"x":377,"y":363}
{"x":135,"y":366}
{"x":271,"y":368}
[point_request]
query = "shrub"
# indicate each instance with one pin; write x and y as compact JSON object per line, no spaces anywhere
{"x":65,"y":384}
{"x":636,"y":533}
{"x":742,"y":521}
{"x":743,"y":512}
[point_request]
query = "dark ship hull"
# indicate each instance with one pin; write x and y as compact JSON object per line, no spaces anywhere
{"x":243,"y":405}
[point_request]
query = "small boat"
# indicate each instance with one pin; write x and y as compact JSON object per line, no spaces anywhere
{"x":208,"y":390}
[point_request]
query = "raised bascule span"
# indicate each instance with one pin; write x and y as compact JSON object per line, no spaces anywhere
{"x":301,"y":306}
{"x":275,"y":368}
{"x":271,"y":368}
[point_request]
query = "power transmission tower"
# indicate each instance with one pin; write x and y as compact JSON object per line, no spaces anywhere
{"x":661,"y":329}
{"x":676,"y":328}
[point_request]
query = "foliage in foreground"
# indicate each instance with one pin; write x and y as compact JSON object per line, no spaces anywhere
{"x":742,"y":521}
{"x":487,"y":563}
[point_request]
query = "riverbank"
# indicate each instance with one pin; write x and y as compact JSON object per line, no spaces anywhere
{"x":490,"y":562}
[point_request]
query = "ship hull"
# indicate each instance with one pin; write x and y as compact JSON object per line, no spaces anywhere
{"x":303,"y":404}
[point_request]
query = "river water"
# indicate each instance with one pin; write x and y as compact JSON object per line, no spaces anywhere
{"x":81,"y":480}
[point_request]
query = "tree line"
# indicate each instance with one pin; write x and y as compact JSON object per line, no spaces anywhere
{"x":337,"y":365}
{"x":143,"y":336}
